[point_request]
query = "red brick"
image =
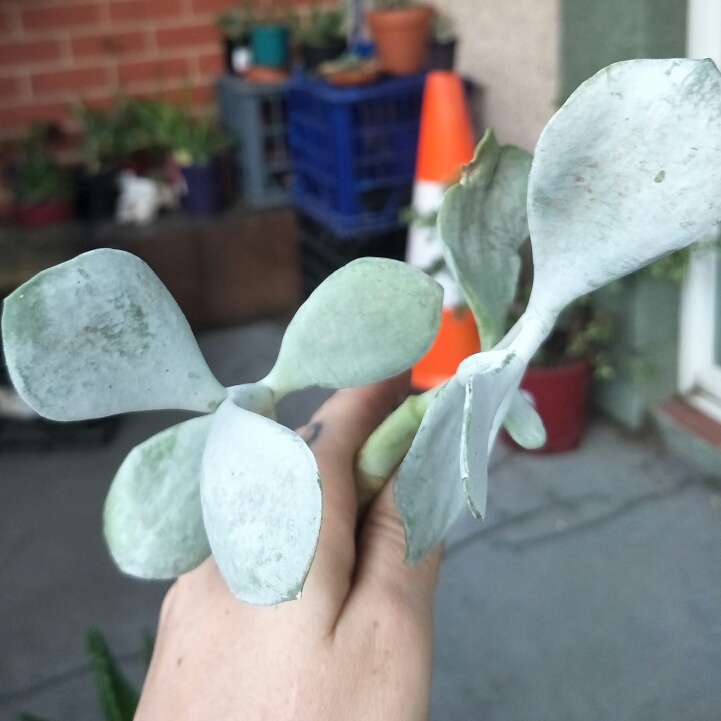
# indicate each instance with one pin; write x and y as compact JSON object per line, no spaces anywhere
{"x":189,"y":36}
{"x":139,"y":10}
{"x":34,"y":52}
{"x":4,"y":21}
{"x":200,"y":95}
{"x":211,"y":64}
{"x":68,"y":80}
{"x":61,"y":16}
{"x":212,"y":6}
{"x":108,"y":44}
{"x":153,"y":70}
{"x":10,"y":88}
{"x":20,"y":117}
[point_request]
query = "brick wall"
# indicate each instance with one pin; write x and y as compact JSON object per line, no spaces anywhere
{"x":54,"y":52}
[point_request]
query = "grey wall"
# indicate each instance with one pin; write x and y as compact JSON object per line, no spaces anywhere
{"x":596,"y":33}
{"x":509,"y":47}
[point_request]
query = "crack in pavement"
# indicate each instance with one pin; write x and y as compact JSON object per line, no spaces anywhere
{"x":573,"y":503}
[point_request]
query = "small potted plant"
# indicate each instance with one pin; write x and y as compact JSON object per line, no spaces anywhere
{"x":442,"y":46}
{"x":270,"y":40}
{"x":194,"y":144}
{"x":322,"y":37}
{"x":43,"y":190}
{"x":101,"y":150}
{"x":236,"y":25}
{"x":400,"y":30}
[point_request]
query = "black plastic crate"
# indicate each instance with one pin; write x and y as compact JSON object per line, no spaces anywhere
{"x":322,"y":252}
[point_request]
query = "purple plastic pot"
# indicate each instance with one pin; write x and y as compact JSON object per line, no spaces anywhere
{"x":203,"y":188}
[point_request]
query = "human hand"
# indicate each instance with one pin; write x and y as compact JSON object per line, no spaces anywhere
{"x":356,"y":646}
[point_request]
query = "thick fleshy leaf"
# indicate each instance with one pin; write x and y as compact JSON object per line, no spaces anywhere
{"x":628,"y":170}
{"x":428,"y":491}
{"x":489,"y":395}
{"x":524,"y":424}
{"x":482,"y":223}
{"x":370,"y":320}
{"x":262,"y":503}
{"x":101,"y":335}
{"x":153,"y":520}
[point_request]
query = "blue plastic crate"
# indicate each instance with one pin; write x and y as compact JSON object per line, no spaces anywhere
{"x":354,"y":151}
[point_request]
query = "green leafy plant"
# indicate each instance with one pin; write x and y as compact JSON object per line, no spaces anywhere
{"x":117,"y":697}
{"x":161,"y":125}
{"x":238,"y":22}
{"x":627,"y":171}
{"x":393,"y":4}
{"x":37,"y":177}
{"x":323,"y":27}
{"x":104,"y":135}
{"x":443,"y":30}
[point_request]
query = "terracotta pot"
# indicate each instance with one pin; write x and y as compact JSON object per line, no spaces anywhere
{"x":36,"y":215}
{"x":401,"y":38}
{"x":560,"y":395}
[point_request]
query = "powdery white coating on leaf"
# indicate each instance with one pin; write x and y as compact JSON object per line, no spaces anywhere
{"x":428,"y":493}
{"x":153,"y":521}
{"x":101,"y":335}
{"x":482,"y":223}
{"x":628,"y":170}
{"x":489,"y":395}
{"x":262,"y":504}
{"x":370,"y":320}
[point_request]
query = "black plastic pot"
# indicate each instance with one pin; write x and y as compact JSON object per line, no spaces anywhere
{"x":442,"y":56}
{"x":98,"y":195}
{"x":315,"y":55}
{"x":238,"y":55}
{"x":203,"y":189}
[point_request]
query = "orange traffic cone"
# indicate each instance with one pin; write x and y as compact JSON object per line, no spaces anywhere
{"x":445,"y":145}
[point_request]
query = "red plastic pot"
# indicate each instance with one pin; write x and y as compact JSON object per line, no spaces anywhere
{"x":36,"y":215}
{"x":560,"y":395}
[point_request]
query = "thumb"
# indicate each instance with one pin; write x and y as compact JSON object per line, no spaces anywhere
{"x":381,"y":550}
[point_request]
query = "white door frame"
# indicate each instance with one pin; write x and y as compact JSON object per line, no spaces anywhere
{"x":699,"y":375}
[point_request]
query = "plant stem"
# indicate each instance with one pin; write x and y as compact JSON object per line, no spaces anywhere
{"x":388,"y":445}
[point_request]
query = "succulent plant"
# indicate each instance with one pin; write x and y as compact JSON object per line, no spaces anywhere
{"x":627,"y":171}
{"x":101,"y":335}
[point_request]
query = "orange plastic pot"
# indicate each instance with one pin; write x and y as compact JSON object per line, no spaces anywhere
{"x":560,"y":395}
{"x":401,"y":38}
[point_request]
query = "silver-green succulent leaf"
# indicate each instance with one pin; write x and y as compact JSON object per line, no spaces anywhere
{"x":261,"y":498}
{"x":428,"y":495}
{"x":482,"y":223}
{"x":489,"y":394}
{"x":524,"y":424}
{"x":101,"y":335}
{"x":153,"y":521}
{"x":369,"y":321}
{"x":627,"y":171}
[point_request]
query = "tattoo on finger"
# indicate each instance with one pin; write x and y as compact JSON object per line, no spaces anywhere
{"x":311,"y":433}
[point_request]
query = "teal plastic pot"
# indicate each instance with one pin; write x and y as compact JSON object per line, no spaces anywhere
{"x":270,"y":46}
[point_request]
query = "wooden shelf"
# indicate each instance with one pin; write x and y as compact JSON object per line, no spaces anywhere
{"x":241,"y":266}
